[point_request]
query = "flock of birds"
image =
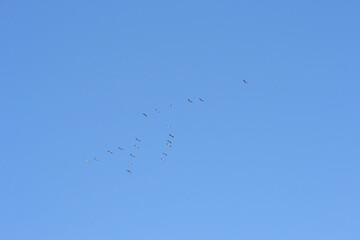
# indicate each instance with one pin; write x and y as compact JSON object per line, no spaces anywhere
{"x":136,"y":146}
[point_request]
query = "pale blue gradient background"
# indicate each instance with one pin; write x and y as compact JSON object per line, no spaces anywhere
{"x":277,"y":158}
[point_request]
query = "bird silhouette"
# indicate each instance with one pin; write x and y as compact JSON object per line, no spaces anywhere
{"x":110,"y":152}
{"x":171,"y":135}
{"x":128,"y":171}
{"x":121,"y":148}
{"x":137,"y":139}
{"x":245,"y":81}
{"x":96,"y":159}
{"x":132,"y":155}
{"x":145,"y":114}
{"x":156,"y":110}
{"x":190,"y":100}
{"x":165,"y":154}
{"x":201,"y":99}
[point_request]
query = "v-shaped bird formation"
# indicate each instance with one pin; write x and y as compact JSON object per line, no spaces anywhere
{"x":138,"y":141}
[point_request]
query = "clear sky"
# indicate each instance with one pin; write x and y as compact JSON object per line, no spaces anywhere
{"x":277,"y":158}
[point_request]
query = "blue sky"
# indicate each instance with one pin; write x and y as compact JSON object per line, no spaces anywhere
{"x":277,"y":158}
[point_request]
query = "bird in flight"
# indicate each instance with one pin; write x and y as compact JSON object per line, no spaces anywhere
{"x":156,"y":110}
{"x":172,"y":106}
{"x":87,"y":160}
{"x":201,"y":99}
{"x":167,"y":126}
{"x":165,"y":154}
{"x":110,"y":152}
{"x":145,"y":114}
{"x":137,"y":139}
{"x":162,"y":159}
{"x":96,"y":159}
{"x":171,"y":135}
{"x":136,"y":146}
{"x":169,"y":145}
{"x":245,"y":81}
{"x":132,"y":155}
{"x":128,"y":171}
{"x":169,"y":141}
{"x":121,"y":148}
{"x":190,"y":100}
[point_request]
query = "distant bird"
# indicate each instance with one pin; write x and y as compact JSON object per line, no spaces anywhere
{"x":132,"y":155}
{"x":245,"y":81}
{"x":145,"y":114}
{"x":157,"y":110}
{"x":165,"y":154}
{"x":137,"y":139}
{"x":201,"y":99}
{"x":136,"y":146}
{"x":110,"y":152}
{"x":87,"y":160}
{"x":162,"y":159}
{"x":96,"y":159}
{"x":169,"y":141}
{"x":128,"y":171}
{"x":190,"y":100}
{"x":171,"y":135}
{"x":121,"y":148}
{"x":169,"y":145}
{"x":172,"y":106}
{"x":129,"y":162}
{"x":167,"y":126}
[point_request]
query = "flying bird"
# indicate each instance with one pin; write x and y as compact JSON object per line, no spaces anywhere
{"x":169,"y":145}
{"x":162,"y":159}
{"x":201,"y":99}
{"x":132,"y":155}
{"x":110,"y":152}
{"x":172,"y":106}
{"x":157,"y":110}
{"x":165,"y":154}
{"x":136,"y":146}
{"x":245,"y":81}
{"x":190,"y":100}
{"x":96,"y":159}
{"x":121,"y":148}
{"x":87,"y":160}
{"x":128,"y":171}
{"x":169,"y":141}
{"x":145,"y":114}
{"x":167,"y":126}
{"x":171,"y":135}
{"x":137,"y":139}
